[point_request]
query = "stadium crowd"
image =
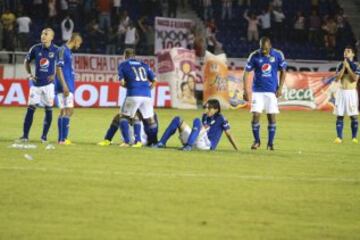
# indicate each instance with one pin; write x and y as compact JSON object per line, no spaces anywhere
{"x":308,"y":29}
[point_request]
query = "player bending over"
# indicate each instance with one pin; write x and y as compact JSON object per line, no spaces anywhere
{"x":138,"y":79}
{"x":42,"y":87}
{"x":138,"y":134}
{"x":205,"y":133}
{"x":65,"y":86}
{"x":347,"y":97}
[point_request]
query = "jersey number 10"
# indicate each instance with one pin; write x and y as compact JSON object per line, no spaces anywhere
{"x":140,"y":74}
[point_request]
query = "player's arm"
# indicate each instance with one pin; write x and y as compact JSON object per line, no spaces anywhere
{"x":151,"y":77}
{"x":27,"y":65}
{"x":246,"y":85}
{"x":353,"y":76}
{"x":231,"y":139}
{"x":281,"y":82}
{"x":340,"y":72}
{"x":60,"y":75}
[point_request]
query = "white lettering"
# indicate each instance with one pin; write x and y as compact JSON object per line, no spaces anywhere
{"x":93,"y":95}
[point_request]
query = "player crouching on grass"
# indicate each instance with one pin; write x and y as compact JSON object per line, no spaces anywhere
{"x":205,"y":133}
{"x":347,"y":97}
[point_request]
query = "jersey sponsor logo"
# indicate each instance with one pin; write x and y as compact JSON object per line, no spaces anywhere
{"x":44,"y":64}
{"x":266,"y":70}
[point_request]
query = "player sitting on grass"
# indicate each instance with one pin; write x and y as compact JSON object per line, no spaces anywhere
{"x":135,"y":135}
{"x":205,"y":133}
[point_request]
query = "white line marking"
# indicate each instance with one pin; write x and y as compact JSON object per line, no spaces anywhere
{"x":189,"y":175}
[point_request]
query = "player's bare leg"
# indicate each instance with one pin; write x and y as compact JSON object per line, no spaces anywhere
{"x":256,"y":130}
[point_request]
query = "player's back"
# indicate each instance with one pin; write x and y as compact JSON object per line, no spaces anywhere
{"x":137,"y":76}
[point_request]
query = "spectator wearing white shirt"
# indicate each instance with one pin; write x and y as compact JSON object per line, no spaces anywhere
{"x":67,"y":28}
{"x":278,"y":22}
{"x":265,"y":22}
{"x":253,"y":22}
{"x":131,"y":36}
{"x":23,"y":24}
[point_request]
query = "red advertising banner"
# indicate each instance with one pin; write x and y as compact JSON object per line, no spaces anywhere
{"x":94,"y":94}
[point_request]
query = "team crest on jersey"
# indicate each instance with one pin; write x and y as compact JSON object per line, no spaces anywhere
{"x":212,"y":122}
{"x":272,"y":59}
{"x":51,"y":55}
{"x":44,"y":63}
{"x":266,"y":70}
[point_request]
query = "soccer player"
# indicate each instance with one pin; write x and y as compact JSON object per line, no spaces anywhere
{"x":65,"y":86}
{"x":139,"y":79}
{"x":346,"y":101}
{"x":42,"y":87}
{"x":266,"y":87}
{"x":136,"y":134}
{"x":205,"y":134}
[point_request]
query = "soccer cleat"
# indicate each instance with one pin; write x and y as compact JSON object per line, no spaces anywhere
{"x":44,"y":140}
{"x":124,"y":145}
{"x":104,"y":143}
{"x":137,"y":145}
{"x":22,"y":140}
{"x":338,"y":140}
{"x":159,"y":145}
{"x":270,"y":147}
{"x":187,"y":148}
{"x":355,"y":140}
{"x":255,"y":145}
{"x":66,"y":142}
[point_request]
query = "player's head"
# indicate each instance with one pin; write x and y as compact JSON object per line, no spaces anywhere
{"x":47,"y":35}
{"x":76,"y":40}
{"x":349,"y":52}
{"x":129,"y":53}
{"x":265,"y":45}
{"x":212,"y":106}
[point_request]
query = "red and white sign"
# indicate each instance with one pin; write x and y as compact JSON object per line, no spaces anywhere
{"x":16,"y":92}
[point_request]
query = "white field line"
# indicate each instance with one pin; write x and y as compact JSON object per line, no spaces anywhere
{"x":334,"y":179}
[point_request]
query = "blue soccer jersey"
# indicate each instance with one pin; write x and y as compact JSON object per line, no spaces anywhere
{"x":65,"y":62}
{"x":45,"y":59}
{"x":136,"y":75}
{"x":353,"y":66}
{"x":216,"y":125}
{"x":266,"y":69}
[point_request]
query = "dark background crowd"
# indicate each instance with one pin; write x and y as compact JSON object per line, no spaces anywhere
{"x":307,"y":29}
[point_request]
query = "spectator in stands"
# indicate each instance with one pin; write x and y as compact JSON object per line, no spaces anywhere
{"x":299,"y":28}
{"x":211,"y":41}
{"x":330,"y":29}
{"x":94,"y":33}
{"x":226,"y":8}
{"x":104,"y":8}
{"x":314,"y":28}
{"x":111,"y":41}
{"x":131,"y":36}
{"x":52,"y":12}
{"x":277,"y":4}
{"x":74,"y":10}
{"x":191,"y":38}
{"x":148,"y":35}
{"x":279,"y":18}
{"x":88,"y":7}
{"x":123,"y":24}
{"x":64,"y":7}
{"x":8,"y":20}
{"x":23,"y":22}
{"x":252,"y":31}
{"x":265,"y":22}
{"x":208,"y":11}
{"x":115,"y":10}
{"x":67,"y":28}
{"x":39,"y":9}
{"x":172,"y":8}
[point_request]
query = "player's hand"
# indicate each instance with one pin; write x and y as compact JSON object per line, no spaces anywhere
{"x":66,"y":91}
{"x":31,"y":78}
{"x":278,"y":92}
{"x":51,"y":78}
{"x":245,"y":96}
{"x":346,"y":64}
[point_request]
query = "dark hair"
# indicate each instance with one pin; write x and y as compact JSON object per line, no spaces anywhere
{"x":351,"y":48}
{"x":264,"y":39}
{"x":182,"y":85}
{"x":213,"y":103}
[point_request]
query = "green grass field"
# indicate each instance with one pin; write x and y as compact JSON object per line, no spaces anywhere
{"x":308,"y":188}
